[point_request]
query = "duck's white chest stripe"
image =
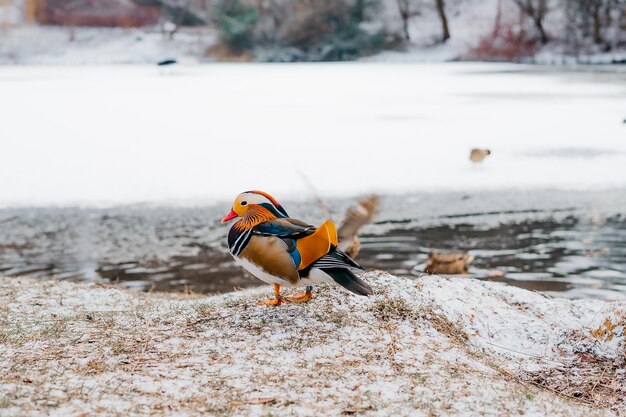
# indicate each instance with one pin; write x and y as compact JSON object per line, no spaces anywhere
{"x":241,"y":242}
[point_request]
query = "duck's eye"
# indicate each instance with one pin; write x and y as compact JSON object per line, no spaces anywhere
{"x":244,"y":203}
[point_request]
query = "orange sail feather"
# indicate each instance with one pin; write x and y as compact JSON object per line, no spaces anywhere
{"x":318,"y":244}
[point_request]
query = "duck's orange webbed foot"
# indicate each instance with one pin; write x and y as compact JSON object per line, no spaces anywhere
{"x":302,"y":298}
{"x":273,"y":301}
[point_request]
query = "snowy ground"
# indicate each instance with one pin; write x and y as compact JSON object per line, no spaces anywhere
{"x":36,"y":45}
{"x":126,"y":134}
{"x":439,"y":347}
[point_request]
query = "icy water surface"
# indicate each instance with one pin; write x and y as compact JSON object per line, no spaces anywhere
{"x":131,"y":134}
{"x":567,"y":243}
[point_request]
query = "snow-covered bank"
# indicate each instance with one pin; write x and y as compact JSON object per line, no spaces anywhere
{"x":426,"y":347}
{"x":52,"y":45}
{"x":457,"y":50}
{"x":40,"y":45}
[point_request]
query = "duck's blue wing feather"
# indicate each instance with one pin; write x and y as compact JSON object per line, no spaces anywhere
{"x":289,"y":230}
{"x":283,"y":228}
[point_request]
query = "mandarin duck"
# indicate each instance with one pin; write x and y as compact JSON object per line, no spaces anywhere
{"x":477,"y":155}
{"x":287,"y":252}
{"x":366,"y":209}
{"x":448,"y":263}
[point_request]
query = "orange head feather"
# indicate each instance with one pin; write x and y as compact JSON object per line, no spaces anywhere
{"x":254,"y":207}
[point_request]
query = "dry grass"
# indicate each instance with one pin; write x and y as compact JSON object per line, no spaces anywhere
{"x":584,"y":375}
{"x":599,"y":385}
{"x":589,"y":377}
{"x":611,"y":326}
{"x":70,"y":349}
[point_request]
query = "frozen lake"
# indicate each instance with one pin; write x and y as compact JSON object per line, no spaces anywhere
{"x":548,"y":208}
{"x":124,"y":134}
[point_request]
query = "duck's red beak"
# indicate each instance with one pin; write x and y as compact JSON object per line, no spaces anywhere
{"x":230,"y":216}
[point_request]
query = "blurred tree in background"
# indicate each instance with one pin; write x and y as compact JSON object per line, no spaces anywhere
{"x":329,"y":30}
{"x":406,"y":12}
{"x":600,"y":23}
{"x":314,"y":30}
{"x":536,"y":10}
{"x":407,"y":9}
{"x":441,"y":10}
{"x":236,"y":24}
{"x":573,"y":27}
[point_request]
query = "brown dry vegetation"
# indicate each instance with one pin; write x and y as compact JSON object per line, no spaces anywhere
{"x":70,"y":349}
{"x":100,"y":13}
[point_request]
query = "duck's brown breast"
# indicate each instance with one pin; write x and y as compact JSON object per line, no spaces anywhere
{"x":270,"y":254}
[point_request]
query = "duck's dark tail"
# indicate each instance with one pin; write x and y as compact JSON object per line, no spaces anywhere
{"x":348,"y":280}
{"x":337,"y":265}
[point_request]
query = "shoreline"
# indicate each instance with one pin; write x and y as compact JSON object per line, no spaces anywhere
{"x":561,"y":243}
{"x":28,"y":45}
